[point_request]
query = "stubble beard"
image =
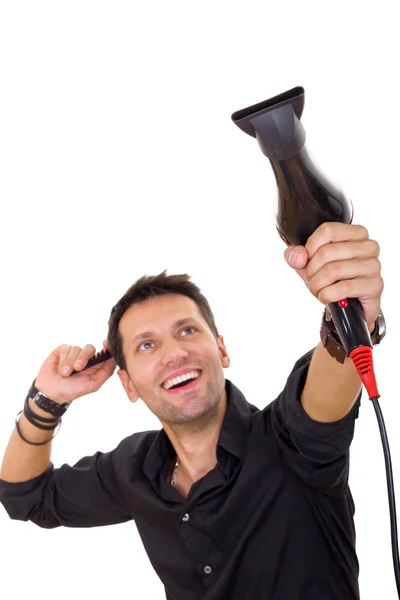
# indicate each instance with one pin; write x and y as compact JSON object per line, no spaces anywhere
{"x":196,"y":412}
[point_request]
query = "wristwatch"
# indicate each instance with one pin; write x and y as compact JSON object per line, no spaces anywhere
{"x":331,"y":341}
{"x":45,"y":403}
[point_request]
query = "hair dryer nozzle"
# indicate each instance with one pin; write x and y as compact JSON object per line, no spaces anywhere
{"x":275,"y":123}
{"x":306,"y":197}
{"x":294,"y":97}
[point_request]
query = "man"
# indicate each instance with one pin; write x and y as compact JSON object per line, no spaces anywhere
{"x":231,"y":502}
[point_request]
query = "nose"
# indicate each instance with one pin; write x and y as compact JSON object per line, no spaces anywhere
{"x":173,"y":352}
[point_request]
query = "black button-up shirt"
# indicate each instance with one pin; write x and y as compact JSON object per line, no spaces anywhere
{"x":272,"y":521}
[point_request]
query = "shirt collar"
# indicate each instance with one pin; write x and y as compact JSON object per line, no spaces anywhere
{"x":233,"y":436}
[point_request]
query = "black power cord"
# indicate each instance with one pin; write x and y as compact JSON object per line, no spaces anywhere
{"x":390,"y":487}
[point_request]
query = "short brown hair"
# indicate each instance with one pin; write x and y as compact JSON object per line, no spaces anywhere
{"x":149,"y":286}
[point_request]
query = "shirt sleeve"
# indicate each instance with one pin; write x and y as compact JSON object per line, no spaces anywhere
{"x":317,"y":452}
{"x":83,"y":495}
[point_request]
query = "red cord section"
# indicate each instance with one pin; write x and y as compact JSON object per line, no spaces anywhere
{"x":362,"y":359}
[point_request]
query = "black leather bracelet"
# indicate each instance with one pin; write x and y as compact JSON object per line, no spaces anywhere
{"x":31,"y":413}
{"x":32,"y":418}
{"x":27,"y":441}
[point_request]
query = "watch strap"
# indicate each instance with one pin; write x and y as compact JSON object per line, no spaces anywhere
{"x":45,"y":403}
{"x":331,"y":341}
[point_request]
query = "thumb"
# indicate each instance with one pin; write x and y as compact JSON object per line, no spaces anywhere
{"x":296,"y":256}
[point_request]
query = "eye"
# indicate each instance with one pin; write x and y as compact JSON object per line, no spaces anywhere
{"x":143,"y":344}
{"x":185,"y":329}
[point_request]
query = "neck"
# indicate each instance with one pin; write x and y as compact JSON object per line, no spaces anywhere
{"x":195,"y":442}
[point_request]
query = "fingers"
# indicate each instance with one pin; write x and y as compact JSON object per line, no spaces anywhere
{"x":362,"y":288}
{"x":353,"y":275}
{"x":296,"y":257}
{"x":334,"y":232}
{"x":54,"y":380}
{"x":73,"y":357}
{"x":331,"y":253}
{"x":99,"y":376}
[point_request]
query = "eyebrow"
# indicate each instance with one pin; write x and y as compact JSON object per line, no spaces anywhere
{"x":177,"y":323}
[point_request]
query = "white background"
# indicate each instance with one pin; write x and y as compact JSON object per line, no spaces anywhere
{"x":119,"y":158}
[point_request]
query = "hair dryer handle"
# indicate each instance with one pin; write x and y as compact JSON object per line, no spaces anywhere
{"x":347,"y":315}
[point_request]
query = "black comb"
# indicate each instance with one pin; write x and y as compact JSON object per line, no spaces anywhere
{"x":97,"y":358}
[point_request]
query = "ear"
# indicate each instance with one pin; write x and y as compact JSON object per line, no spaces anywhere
{"x":128,"y":385}
{"x":225,"y":360}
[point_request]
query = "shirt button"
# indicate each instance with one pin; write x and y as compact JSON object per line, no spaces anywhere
{"x":185,"y":517}
{"x":207,"y":569}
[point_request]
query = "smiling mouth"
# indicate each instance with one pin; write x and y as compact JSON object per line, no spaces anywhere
{"x":186,"y":385}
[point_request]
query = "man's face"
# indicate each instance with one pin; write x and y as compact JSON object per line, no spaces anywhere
{"x":156,"y":357}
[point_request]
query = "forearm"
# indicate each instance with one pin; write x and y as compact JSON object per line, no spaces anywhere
{"x":331,"y":388}
{"x":23,"y":461}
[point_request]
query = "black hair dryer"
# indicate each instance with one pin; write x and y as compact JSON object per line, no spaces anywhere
{"x":306,"y":199}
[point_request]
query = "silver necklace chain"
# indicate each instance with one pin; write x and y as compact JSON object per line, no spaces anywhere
{"x":173,"y":480}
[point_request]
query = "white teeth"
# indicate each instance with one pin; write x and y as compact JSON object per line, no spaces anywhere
{"x":191,"y":375}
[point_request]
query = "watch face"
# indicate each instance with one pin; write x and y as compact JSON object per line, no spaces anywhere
{"x":381,"y":325}
{"x":39,"y":396}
